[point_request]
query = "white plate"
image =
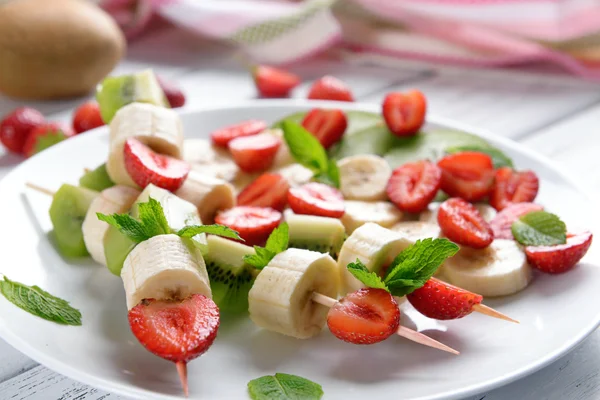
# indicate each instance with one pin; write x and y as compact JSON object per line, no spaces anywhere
{"x":556,"y":312}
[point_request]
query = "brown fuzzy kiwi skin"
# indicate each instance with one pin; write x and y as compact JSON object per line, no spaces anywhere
{"x":53,"y":49}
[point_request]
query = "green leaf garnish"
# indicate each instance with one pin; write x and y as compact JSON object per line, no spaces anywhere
{"x":368,"y":278}
{"x":40,"y":303}
{"x":498,"y":157}
{"x":153,"y":218}
{"x":284,"y":387}
{"x":215,"y":229}
{"x":539,"y":228}
{"x":276,"y":243}
{"x":307,"y":150}
{"x":127,"y":225}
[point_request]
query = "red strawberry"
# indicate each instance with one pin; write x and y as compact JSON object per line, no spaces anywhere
{"x":316,"y":199}
{"x":330,"y":88}
{"x":414,"y":185}
{"x":254,"y":224}
{"x":366,"y":316}
{"x":274,"y":82}
{"x":468,"y":175}
{"x":268,"y":190}
{"x":502,"y":222}
{"x":404,"y":113}
{"x":326,"y":125}
{"x":45,"y":135}
{"x":87,"y":116}
{"x":16,"y":126}
{"x":255,"y":153}
{"x":173,"y":93}
{"x":513,"y":187}
{"x":560,"y":258}
{"x":440,"y":300}
{"x":222,"y":137}
{"x":145,"y":166}
{"x":462,"y":223}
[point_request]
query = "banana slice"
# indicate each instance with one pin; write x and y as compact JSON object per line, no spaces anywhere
{"x":359,"y":213}
{"x":417,"y":230}
{"x":209,"y":160}
{"x":208,"y":194}
{"x":296,"y":174}
{"x":116,"y":199}
{"x":280,"y":299}
{"x":159,"y":128}
{"x":164,"y":267}
{"x":310,"y":232}
{"x":364,"y":177}
{"x":498,"y":270}
{"x":430,"y":215}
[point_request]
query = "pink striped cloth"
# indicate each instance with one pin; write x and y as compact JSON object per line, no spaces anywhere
{"x":490,"y":33}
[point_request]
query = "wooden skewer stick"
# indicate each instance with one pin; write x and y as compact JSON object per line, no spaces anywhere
{"x":402,"y":330}
{"x":483,"y":309}
{"x":182,"y":371}
{"x":40,"y":189}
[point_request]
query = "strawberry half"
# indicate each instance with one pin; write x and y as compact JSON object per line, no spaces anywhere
{"x":173,"y":93}
{"x":44,"y":136}
{"x":268,"y":190}
{"x":502,"y":222}
{"x":366,"y":316}
{"x":86,"y":117}
{"x":254,"y":224}
{"x":404,"y":113}
{"x":274,"y":82}
{"x":316,"y":199}
{"x":468,"y":175}
{"x":328,"y":126}
{"x":440,"y":300}
{"x":414,"y":185}
{"x":222,"y":137}
{"x":560,"y":258}
{"x":16,"y":126}
{"x":513,"y":187}
{"x":330,"y":88}
{"x":145,"y":166}
{"x":463,"y":224}
{"x":255,"y":153}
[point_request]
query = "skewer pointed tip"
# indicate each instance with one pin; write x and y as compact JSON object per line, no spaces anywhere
{"x":182,"y":371}
{"x":39,"y":189}
{"x":425,"y":340}
{"x":483,"y":309}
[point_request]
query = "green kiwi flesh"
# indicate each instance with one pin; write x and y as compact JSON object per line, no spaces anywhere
{"x":96,"y":179}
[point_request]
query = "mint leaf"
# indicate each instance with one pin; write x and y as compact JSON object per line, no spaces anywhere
{"x":368,"y":278}
{"x":219,"y":230}
{"x":498,"y":157}
{"x":127,"y":225}
{"x":416,"y":264}
{"x":539,"y":228}
{"x":260,"y":259}
{"x":40,"y":303}
{"x":284,"y":387}
{"x":153,"y":218}
{"x":276,"y":243}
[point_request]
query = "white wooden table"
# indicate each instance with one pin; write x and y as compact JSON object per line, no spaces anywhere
{"x":557,"y":116}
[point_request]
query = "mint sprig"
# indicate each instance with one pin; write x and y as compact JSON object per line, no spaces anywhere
{"x":307,"y":150}
{"x":284,"y":387}
{"x":368,"y":278}
{"x":539,"y":228}
{"x":40,"y":303}
{"x":499,"y":159}
{"x":215,"y":229}
{"x":276,"y":243}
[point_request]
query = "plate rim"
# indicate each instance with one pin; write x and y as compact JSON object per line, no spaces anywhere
{"x":65,"y":369}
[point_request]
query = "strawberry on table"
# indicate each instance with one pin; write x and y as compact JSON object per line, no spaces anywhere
{"x":16,"y":126}
{"x":222,"y":137}
{"x":404,"y":113}
{"x":502,"y":222}
{"x":513,"y":187}
{"x":440,"y":300}
{"x":274,"y":82}
{"x":254,"y":224}
{"x":255,"y":153}
{"x":462,"y":223}
{"x":44,"y":136}
{"x":316,"y":199}
{"x":559,"y":258}
{"x":328,"y":126}
{"x":173,"y":93}
{"x":87,"y":116}
{"x":268,"y":190}
{"x":468,"y":175}
{"x":330,"y":88}
{"x":366,"y":316}
{"x":413,"y":186}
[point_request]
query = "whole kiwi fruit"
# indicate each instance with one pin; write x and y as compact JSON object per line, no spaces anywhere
{"x":55,"y":48}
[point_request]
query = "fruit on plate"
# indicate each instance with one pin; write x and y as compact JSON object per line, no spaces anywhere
{"x":463,"y":224}
{"x":487,"y":212}
{"x":87,"y":116}
{"x":330,"y":88}
{"x":222,"y":136}
{"x":116,"y":199}
{"x":560,"y":258}
{"x":145,"y":167}
{"x":440,"y":300}
{"x":254,"y":153}
{"x":209,"y":195}
{"x":116,"y":92}
{"x":328,"y":126}
{"x":414,"y":185}
{"x":230,"y":277}
{"x":404,"y":113}
{"x":366,"y":316}
{"x":513,"y":187}
{"x":358,"y":213}
{"x":173,"y":93}
{"x":468,"y":175}
{"x":364,"y":177}
{"x":254,"y":224}
{"x":208,"y":159}
{"x":280,"y":299}
{"x":164,"y":267}
{"x":67,"y":213}
{"x":268,"y":190}
{"x":16,"y":126}
{"x":156,"y":127}
{"x":310,"y":232}
{"x":116,"y":249}
{"x":497,"y":270}
{"x":501,"y":223}
{"x":316,"y":199}
{"x":96,"y":179}
{"x":273,"y":82}
{"x":45,"y":135}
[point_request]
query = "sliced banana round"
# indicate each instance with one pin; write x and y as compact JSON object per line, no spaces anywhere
{"x":364,"y":177}
{"x":208,"y":194}
{"x":295,"y":174}
{"x":116,"y":199}
{"x":417,"y":230}
{"x":358,"y":213}
{"x":207,"y":159}
{"x":280,"y":299}
{"x":157,"y":127}
{"x":164,"y":267}
{"x":498,"y":270}
{"x":430,"y":215}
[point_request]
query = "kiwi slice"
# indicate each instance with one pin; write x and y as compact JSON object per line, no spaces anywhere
{"x":116,"y":249}
{"x":117,"y":91}
{"x":67,"y":212}
{"x":310,"y":232}
{"x":230,"y":277}
{"x":96,"y":179}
